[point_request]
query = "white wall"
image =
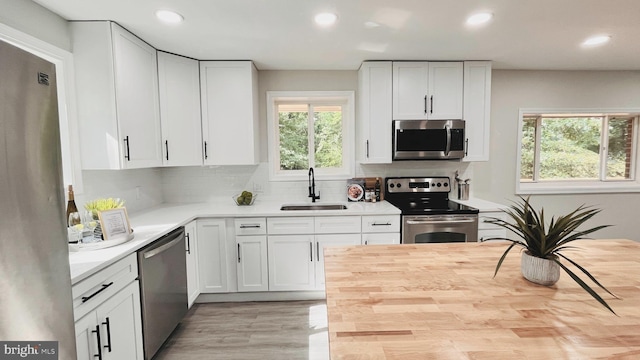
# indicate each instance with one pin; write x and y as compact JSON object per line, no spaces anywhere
{"x":511,"y":89}
{"x":33,"y":19}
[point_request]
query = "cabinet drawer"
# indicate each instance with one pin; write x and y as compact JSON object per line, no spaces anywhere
{"x":494,"y":214}
{"x":380,"y":223}
{"x":337,"y":225}
{"x":251,"y":226}
{"x":290,"y":225}
{"x":94,"y":290}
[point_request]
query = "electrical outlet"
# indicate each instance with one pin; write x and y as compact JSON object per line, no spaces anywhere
{"x":257,"y":187}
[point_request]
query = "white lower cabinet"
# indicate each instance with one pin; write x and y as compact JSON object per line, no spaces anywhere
{"x":291,"y":263}
{"x":381,"y":239}
{"x":193,"y":278}
{"x":325,"y":241}
{"x":252,"y":270}
{"x":110,"y":326}
{"x":212,"y":256}
{"x":295,"y":248}
{"x":487,"y":230}
{"x":380,"y":229}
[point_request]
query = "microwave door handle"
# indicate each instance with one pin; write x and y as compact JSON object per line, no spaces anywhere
{"x":448,"y":146}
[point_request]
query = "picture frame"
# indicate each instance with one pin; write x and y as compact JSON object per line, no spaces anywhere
{"x":114,"y":223}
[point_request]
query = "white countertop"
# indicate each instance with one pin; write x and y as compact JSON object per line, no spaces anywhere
{"x":153,"y":223}
{"x":482,"y":205}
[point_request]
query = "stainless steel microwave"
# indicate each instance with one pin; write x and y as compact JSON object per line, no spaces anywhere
{"x":428,"y":139}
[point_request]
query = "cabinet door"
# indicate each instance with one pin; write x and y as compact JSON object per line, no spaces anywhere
{"x":445,"y":90}
{"x":121,"y":325}
{"x":212,"y":256}
{"x":291,"y":262}
{"x":375,"y":112}
{"x":381,"y":239}
{"x":191,"y":243}
{"x":410,"y":89}
{"x":252,"y":263}
{"x":87,"y":337}
{"x":229,"y":112}
{"x":179,"y":87}
{"x":477,"y":109}
{"x":324,"y":241}
{"x":138,"y":109}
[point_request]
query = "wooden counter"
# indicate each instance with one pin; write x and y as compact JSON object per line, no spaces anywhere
{"x":440,"y":301}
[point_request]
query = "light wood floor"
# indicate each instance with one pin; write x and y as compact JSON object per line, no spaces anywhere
{"x":287,"y":330}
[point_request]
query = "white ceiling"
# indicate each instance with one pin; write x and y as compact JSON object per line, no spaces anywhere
{"x":280,"y":34}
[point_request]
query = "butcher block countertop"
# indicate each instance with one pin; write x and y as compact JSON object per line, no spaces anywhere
{"x":440,"y":301}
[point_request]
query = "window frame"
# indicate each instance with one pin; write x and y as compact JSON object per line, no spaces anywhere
{"x":581,"y":186}
{"x":346,"y":99}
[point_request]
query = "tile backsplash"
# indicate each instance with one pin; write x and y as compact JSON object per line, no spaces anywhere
{"x":145,"y":188}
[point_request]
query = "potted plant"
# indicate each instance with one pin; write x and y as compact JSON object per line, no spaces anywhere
{"x":544,"y":245}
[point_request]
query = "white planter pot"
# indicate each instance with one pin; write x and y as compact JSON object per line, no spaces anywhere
{"x":540,"y":271}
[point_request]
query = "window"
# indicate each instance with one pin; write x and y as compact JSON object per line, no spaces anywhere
{"x":310,"y":129}
{"x":570,"y":151}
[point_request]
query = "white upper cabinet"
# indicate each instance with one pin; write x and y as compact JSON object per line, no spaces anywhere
{"x":427,"y":90}
{"x":229,"y":91}
{"x":477,"y":109}
{"x":179,"y":87}
{"x":375,"y":112}
{"x":117,"y":91}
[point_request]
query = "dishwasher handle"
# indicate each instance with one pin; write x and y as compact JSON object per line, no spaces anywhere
{"x":170,"y":241}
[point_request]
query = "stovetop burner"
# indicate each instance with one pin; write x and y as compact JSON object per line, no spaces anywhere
{"x":423,"y":196}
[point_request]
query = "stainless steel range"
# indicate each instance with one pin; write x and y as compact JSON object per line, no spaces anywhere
{"x":428,"y":216}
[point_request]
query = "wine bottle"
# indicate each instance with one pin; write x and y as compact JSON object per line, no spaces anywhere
{"x":72,"y":208}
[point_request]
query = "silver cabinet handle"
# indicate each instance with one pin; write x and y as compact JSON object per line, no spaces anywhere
{"x":250,"y":226}
{"x":318,"y":251}
{"x":431,"y":110}
{"x":186,"y":236}
{"x":367,"y":149}
{"x":311,"y":250}
{"x":384,"y":224}
{"x":238,"y":253}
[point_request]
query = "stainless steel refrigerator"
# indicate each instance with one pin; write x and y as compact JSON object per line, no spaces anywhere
{"x":35,"y":285}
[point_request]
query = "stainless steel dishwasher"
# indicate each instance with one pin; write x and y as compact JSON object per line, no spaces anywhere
{"x":163,"y":289}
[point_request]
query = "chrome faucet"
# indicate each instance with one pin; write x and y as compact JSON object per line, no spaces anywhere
{"x":312,"y":186}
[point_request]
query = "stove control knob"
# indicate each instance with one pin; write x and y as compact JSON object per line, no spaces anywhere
{"x":439,"y":184}
{"x":446,"y":184}
{"x":391,"y":185}
{"x":399,"y":185}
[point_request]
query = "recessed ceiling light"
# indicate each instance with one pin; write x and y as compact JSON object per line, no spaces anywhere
{"x":479,"y":18}
{"x":597,"y":40}
{"x":168,"y":16}
{"x":326,"y":19}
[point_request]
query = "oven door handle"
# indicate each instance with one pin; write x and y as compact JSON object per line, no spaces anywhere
{"x":440,"y":221}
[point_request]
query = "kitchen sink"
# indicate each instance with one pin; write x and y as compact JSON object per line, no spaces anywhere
{"x":314,"y":207}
